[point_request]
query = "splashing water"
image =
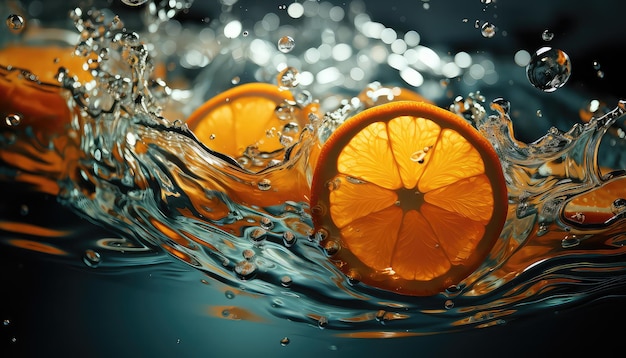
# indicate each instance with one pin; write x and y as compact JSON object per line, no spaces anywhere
{"x":145,"y":175}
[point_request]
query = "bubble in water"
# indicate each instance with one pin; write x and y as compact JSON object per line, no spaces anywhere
{"x":134,"y":2}
{"x":549,"y":69}
{"x":289,"y":238}
{"x":287,"y":78}
{"x":618,"y":205}
{"x":235,"y":80}
{"x":547,"y":35}
{"x":6,"y":322}
{"x":488,"y":30}
{"x":15,"y":23}
{"x":264,"y":184}
{"x":245,"y":269}
{"x":13,"y":119}
{"x":284,"y":341}
{"x":24,"y":209}
{"x":229,"y":294}
{"x":570,"y":241}
{"x":248,"y":254}
{"x":449,"y":304}
{"x":266,"y":223}
{"x":286,"y":281}
{"x":286,"y":44}
{"x":91,"y":258}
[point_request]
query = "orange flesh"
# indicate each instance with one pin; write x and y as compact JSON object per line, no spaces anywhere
{"x":417,"y":196}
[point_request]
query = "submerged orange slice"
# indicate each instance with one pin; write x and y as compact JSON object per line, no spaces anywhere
{"x":408,"y":197}
{"x":253,"y":117}
{"x":256,"y":124}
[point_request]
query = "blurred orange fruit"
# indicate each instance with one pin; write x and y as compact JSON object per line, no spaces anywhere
{"x":408,"y":197}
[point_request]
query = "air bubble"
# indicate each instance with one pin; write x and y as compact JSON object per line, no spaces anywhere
{"x":331,"y":248}
{"x":13,"y":119}
{"x":449,"y":304}
{"x":287,"y":78}
{"x":245,"y":269}
{"x":570,"y":241}
{"x":134,"y":2}
{"x":286,"y":281}
{"x":229,"y":294}
{"x":266,"y":223}
{"x":286,"y":44}
{"x":264,"y":184}
{"x":322,"y":322}
{"x":547,"y":35}
{"x":24,"y":209}
{"x":248,"y":254}
{"x":618,"y":205}
{"x":284,"y":341}
{"x":15,"y":23}
{"x":488,"y":30}
{"x":258,"y":234}
{"x":289,"y":238}
{"x":92,"y":258}
{"x":549,"y":69}
{"x":235,"y":80}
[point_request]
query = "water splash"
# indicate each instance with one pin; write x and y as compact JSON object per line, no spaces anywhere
{"x":149,"y":179}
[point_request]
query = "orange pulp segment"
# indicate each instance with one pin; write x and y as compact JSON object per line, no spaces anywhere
{"x":408,"y":197}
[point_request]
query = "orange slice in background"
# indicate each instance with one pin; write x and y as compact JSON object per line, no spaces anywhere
{"x":248,"y":118}
{"x":255,"y":124}
{"x":39,"y":106}
{"x":408,"y":198}
{"x":29,"y":90}
{"x":598,"y":207}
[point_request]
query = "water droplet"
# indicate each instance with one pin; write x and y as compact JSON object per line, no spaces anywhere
{"x":245,"y":33}
{"x":477,"y":24}
{"x":331,"y":247}
{"x":549,"y":69}
{"x":24,"y":209}
{"x":284,"y":111}
{"x":204,"y":281}
{"x":289,"y":238}
{"x":284,"y":341}
{"x":258,"y":234}
{"x":322,"y":322}
{"x":287,"y":78}
{"x":618,"y":205}
{"x":229,"y":294}
{"x":600,"y":74}
{"x":419,"y":156}
{"x":449,"y":304}
{"x":264,"y":184}
{"x":596,"y":65}
{"x":570,"y":241}
{"x":286,"y":44}
{"x":488,"y":30}
{"x":235,"y":80}
{"x":539,"y":114}
{"x":266,"y":223}
{"x":546,"y":35}
{"x":92,"y":258}
{"x":285,"y":281}
{"x":6,"y":322}
{"x":304,"y":98}
{"x":245,"y":269}
{"x":248,"y":254}
{"x":15,"y":23}
{"x":134,"y":2}
{"x":13,"y":119}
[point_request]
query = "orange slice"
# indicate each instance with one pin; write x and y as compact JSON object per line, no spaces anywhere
{"x":250,"y":118}
{"x":41,"y":107}
{"x":598,"y":207}
{"x":255,"y":124}
{"x":408,"y":197}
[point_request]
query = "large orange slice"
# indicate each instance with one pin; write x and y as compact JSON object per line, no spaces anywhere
{"x":408,"y":197}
